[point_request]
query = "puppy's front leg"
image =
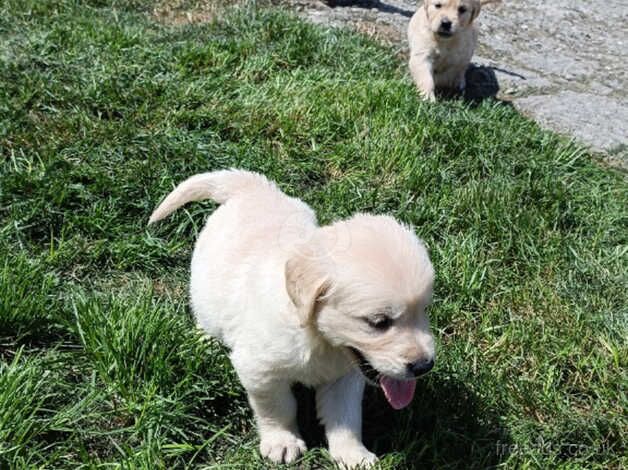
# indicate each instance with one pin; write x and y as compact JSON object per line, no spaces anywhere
{"x":462,"y":83}
{"x":339,"y":407}
{"x":422,"y":74}
{"x":461,"y":80}
{"x":276,"y":411}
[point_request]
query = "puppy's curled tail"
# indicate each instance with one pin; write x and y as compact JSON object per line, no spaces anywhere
{"x":218,"y":186}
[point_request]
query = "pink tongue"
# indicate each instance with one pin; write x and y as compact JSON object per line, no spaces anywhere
{"x":399,"y":393}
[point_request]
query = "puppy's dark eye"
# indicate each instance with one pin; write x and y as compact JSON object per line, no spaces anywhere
{"x":462,"y":10}
{"x":438,"y":5}
{"x":380,"y":322}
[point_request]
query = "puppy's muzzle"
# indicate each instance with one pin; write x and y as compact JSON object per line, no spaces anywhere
{"x":444,"y":29}
{"x":414,"y":369}
{"x":420,"y":367}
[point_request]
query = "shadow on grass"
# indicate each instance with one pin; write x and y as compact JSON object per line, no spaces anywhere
{"x":448,"y":426}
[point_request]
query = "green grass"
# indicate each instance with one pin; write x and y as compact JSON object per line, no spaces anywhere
{"x":103,"y":110}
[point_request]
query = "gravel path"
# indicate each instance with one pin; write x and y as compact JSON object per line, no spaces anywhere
{"x":563,"y":63}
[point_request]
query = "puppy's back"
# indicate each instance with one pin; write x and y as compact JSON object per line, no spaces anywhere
{"x":238,"y":261}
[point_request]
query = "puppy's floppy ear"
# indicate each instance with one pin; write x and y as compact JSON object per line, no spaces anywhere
{"x":306,"y":283}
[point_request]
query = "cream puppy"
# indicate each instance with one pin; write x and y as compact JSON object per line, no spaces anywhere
{"x":442,"y":39}
{"x":330,"y":307}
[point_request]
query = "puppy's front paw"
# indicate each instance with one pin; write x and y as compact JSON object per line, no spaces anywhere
{"x":462,"y":85}
{"x":354,"y":457}
{"x":429,"y":96}
{"x":281,"y":446}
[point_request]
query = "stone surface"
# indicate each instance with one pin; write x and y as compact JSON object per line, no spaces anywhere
{"x":563,"y":63}
{"x":598,"y":120}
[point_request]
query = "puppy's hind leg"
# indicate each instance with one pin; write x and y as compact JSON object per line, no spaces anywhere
{"x":339,"y":407}
{"x":275,"y":411}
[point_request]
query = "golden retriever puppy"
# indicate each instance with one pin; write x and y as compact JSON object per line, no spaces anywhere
{"x":329,"y":307}
{"x":442,"y":39}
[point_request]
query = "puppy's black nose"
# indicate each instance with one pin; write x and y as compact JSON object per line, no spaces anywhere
{"x":420,"y":367}
{"x":445,"y":24}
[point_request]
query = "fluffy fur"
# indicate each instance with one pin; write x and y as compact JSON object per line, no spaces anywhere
{"x":296,"y":302}
{"x":442,"y":38}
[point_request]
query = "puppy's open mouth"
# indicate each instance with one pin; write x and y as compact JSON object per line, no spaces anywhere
{"x":399,"y":393}
{"x":445,"y":34}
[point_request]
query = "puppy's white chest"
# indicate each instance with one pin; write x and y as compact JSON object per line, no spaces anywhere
{"x":454,"y":55}
{"x":441,"y":62}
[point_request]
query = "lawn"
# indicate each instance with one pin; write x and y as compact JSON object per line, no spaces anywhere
{"x":103,"y":109}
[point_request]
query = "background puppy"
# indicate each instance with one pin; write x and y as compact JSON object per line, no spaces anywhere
{"x":296,"y":302}
{"x":442,"y":40}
